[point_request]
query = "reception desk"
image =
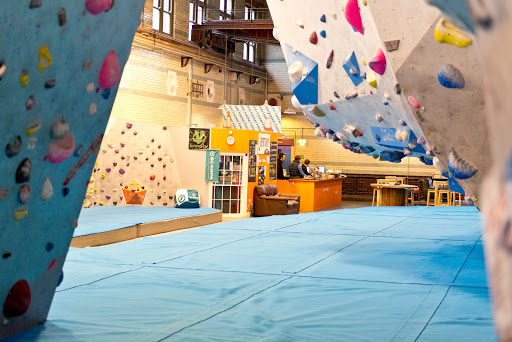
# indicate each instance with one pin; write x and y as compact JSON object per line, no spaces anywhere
{"x":315,"y":194}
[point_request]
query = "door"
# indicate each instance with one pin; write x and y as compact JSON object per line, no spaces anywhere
{"x":229,"y":194}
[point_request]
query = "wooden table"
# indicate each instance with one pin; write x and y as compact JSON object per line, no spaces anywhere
{"x":394,"y":195}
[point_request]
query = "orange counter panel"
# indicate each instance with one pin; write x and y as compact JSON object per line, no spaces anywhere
{"x":314,"y":194}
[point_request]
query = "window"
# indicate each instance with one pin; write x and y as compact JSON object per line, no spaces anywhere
{"x":249,"y":47}
{"x":196,"y":14}
{"x":226,"y":9}
{"x":162,"y":15}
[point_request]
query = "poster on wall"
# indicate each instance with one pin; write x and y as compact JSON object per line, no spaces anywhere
{"x":212,"y":165}
{"x":199,"y":139}
{"x":263,"y":143}
{"x":210,"y":91}
{"x":252,"y":160}
{"x":172,"y":83}
{"x":262,"y":169}
{"x":272,"y":171}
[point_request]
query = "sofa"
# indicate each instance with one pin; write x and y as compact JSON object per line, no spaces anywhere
{"x":267,"y":201}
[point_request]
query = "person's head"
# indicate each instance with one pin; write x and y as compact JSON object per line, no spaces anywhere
{"x":282,"y":156}
{"x":306,"y":162}
{"x":298,"y":158}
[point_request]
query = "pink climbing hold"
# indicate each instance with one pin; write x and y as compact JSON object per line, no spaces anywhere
{"x":110,"y":73}
{"x":313,"y":38}
{"x":413,"y":102}
{"x":378,"y":62}
{"x":62,"y":149}
{"x":353,"y":16}
{"x":97,"y":6}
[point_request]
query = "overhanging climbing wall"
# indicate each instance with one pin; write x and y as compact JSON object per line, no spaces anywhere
{"x":343,"y":77}
{"x":60,"y":63}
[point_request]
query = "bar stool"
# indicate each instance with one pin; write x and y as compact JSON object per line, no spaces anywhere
{"x":454,"y":198}
{"x":441,"y":192}
{"x":409,"y":197}
{"x":430,"y":192}
{"x":377,"y":194}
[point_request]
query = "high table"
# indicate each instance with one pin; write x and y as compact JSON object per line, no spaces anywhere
{"x":315,"y":194}
{"x":393,"y":195}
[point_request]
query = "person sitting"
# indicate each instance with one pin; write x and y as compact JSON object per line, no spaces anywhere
{"x":280,"y":170}
{"x":305,"y":167}
{"x":296,"y":169}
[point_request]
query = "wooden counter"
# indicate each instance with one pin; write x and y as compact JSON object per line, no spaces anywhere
{"x":315,"y":194}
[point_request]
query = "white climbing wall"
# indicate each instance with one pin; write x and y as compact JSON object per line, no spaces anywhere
{"x":375,"y":108}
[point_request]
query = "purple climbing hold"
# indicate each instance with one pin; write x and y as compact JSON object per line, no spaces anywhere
{"x":323,"y":19}
{"x":122,"y":171}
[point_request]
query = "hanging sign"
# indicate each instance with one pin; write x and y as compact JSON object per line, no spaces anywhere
{"x":199,"y":138}
{"x":212,"y":165}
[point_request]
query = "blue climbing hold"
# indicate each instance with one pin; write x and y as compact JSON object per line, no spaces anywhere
{"x":65,"y":191}
{"x":323,"y":19}
{"x":323,"y":34}
{"x":352,"y":69}
{"x":49,"y":246}
{"x":451,"y":77}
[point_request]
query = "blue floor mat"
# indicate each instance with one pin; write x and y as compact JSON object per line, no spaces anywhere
{"x":349,"y":275}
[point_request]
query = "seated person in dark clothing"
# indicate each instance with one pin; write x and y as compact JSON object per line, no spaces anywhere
{"x":280,"y":173}
{"x":305,"y":167}
{"x":295,"y":168}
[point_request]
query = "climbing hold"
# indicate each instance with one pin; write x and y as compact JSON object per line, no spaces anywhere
{"x":363,"y":75}
{"x":317,"y":111}
{"x":24,"y":193}
{"x":336,"y":95}
{"x":378,"y":62}
{"x":105,"y":94}
{"x":334,"y":15}
{"x":313,"y":38}
{"x":372,"y":81}
{"x":24,"y":78}
{"x":397,"y":89}
{"x":407,"y":151}
{"x":398,"y":135}
{"x":377,"y":138}
{"x":3,"y":68}
{"x":35,"y":4}
{"x":353,"y":15}
{"x":365,"y":2}
{"x":323,"y":19}
{"x":65,"y":191}
{"x":152,"y":177}
{"x":318,"y":132}
{"x":352,"y":69}
{"x":379,"y":117}
{"x":331,"y":107}
{"x":295,"y":72}
{"x":6,"y":255}
{"x":97,"y":6}
{"x":49,"y":246}
{"x":350,"y":95}
{"x":412,"y":145}
{"x":329,"y":134}
{"x":93,"y":108}
{"x":323,"y":34}
{"x":300,"y":24}
{"x":15,"y":148}
{"x":330,"y":59}
{"x":402,"y":122}
{"x":121,"y":171}
{"x":102,"y":176}
{"x":60,"y":129}
{"x":122,"y":144}
{"x":63,"y":19}
{"x":110,"y":73}
{"x":3,"y":193}
{"x":62,"y":149}
{"x":421,"y":141}
{"x":20,"y":214}
{"x":45,"y":60}
{"x":446,"y":32}
{"x":23,"y":171}
{"x":78,"y":151}
{"x":413,"y":102}
{"x":47,"y":191}
{"x":18,"y":299}
{"x":274,"y":33}
{"x":451,"y":77}
{"x":387,"y":96}
{"x":458,"y":167}
{"x":31,"y":103}
{"x":335,"y":138}
{"x":50,"y":84}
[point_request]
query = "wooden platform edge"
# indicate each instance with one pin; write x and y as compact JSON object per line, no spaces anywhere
{"x":146,"y":229}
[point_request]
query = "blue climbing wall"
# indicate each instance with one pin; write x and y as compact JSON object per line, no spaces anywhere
{"x":57,"y":88}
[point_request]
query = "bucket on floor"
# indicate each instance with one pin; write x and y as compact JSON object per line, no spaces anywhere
{"x":185,"y":198}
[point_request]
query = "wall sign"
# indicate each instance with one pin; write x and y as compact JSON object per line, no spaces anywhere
{"x":212,"y":165}
{"x":199,"y":139}
{"x":263,"y":143}
{"x":272,"y":171}
{"x":252,"y":160}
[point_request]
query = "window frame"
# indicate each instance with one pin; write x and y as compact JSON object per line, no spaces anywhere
{"x":192,"y":20}
{"x":223,"y":12}
{"x":249,"y":47}
{"x":161,"y":11}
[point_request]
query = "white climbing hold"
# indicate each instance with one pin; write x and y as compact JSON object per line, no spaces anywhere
{"x":379,"y":117}
{"x":47,"y":191}
{"x":439,"y":165}
{"x":300,"y":24}
{"x":296,"y":103}
{"x":274,"y":33}
{"x":60,"y":129}
{"x":93,"y":108}
{"x":90,"y":88}
{"x":341,"y":136}
{"x":295,"y":72}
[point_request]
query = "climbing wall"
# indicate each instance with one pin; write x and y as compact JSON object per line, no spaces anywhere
{"x":492,"y":22}
{"x":375,"y":97}
{"x":139,"y":165}
{"x":60,"y":64}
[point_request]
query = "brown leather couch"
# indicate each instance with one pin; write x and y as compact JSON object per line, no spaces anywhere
{"x":267,"y":201}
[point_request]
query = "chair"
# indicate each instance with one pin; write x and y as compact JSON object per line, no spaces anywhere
{"x":267,"y":201}
{"x":442,"y":189}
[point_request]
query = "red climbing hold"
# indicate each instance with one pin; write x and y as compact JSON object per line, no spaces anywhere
{"x":110,"y":73}
{"x":353,"y":16}
{"x":331,"y":107}
{"x":97,"y":6}
{"x":152,"y":177}
{"x":313,"y":38}
{"x":330,"y":60}
{"x":17,"y":300}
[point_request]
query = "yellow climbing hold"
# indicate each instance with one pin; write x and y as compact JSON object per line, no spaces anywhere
{"x":102,"y":176}
{"x":102,"y":203}
{"x":365,"y":2}
{"x":20,"y":214}
{"x":45,"y":60}
{"x":32,"y":129}
{"x":404,"y":89}
{"x":24,"y":79}
{"x":95,"y":189}
{"x":363,"y":61}
{"x":427,"y":133}
{"x":372,"y":81}
{"x":446,"y":32}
